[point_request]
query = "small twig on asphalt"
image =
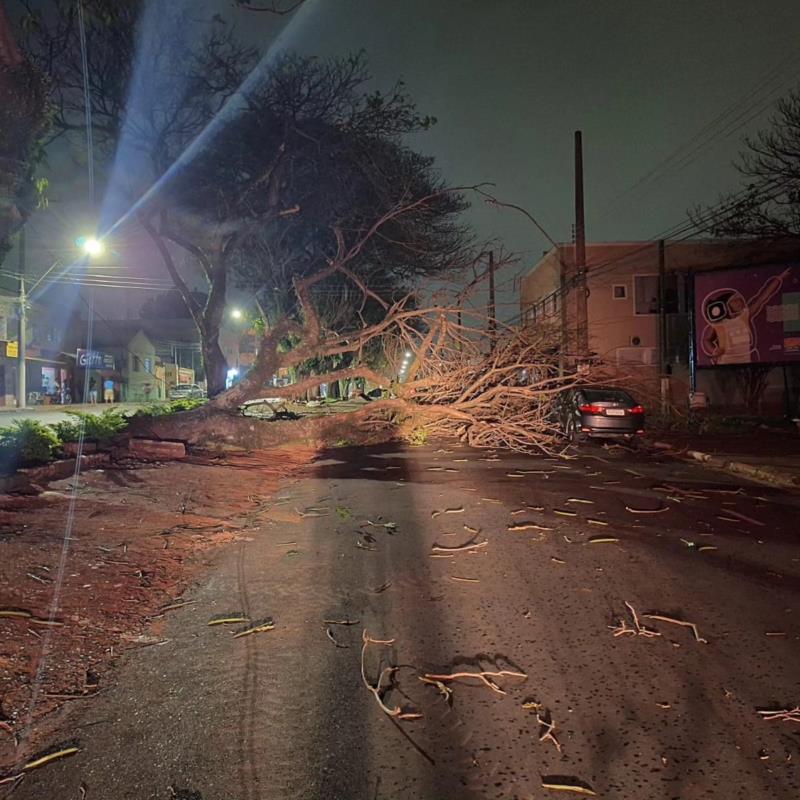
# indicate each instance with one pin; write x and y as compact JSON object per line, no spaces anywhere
{"x":330,"y":635}
{"x":593,"y":521}
{"x":547,"y":730}
{"x":396,"y":712}
{"x":601,"y":540}
{"x":681,"y":622}
{"x":382,"y":588}
{"x":783,"y":714}
{"x":637,"y":630}
{"x":445,"y":691}
{"x":477,"y":546}
{"x":579,"y":500}
{"x":257,"y":627}
{"x":564,"y":513}
{"x":341,"y":621}
{"x":647,"y":510}
{"x":483,"y":676}
{"x":527,"y":526}
{"x":229,"y":618}
{"x":575,"y":788}
{"x":464,"y":580}
{"x":46,"y":759}
{"x":173,"y":606}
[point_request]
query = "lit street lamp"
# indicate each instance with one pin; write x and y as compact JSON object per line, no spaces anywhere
{"x":236,"y":313}
{"x":91,"y":247}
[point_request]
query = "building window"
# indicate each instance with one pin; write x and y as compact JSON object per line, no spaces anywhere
{"x":645,"y":294}
{"x":619,"y":291}
{"x":148,"y":365}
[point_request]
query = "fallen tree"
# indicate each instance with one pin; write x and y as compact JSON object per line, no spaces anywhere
{"x":469,"y":376}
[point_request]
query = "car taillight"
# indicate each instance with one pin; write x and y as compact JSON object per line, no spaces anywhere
{"x":636,"y":410}
{"x":590,"y":409}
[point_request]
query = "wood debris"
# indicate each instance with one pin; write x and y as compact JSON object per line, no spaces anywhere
{"x":594,"y":521}
{"x":485,"y":677}
{"x":444,"y":690}
{"x":377,"y":690}
{"x":547,"y":729}
{"x":259,"y":626}
{"x":345,"y":621}
{"x":471,"y":529}
{"x":575,"y":788}
{"x":229,"y":618}
{"x":745,"y":518}
{"x":329,"y":634}
{"x":46,"y":759}
{"x":313,"y":512}
{"x":647,"y":510}
{"x":557,"y":560}
{"x":465,"y":580}
{"x":638,"y":629}
{"x":579,"y":500}
{"x":564,"y":513}
{"x":602,"y":540}
{"x":527,"y":526}
{"x":782,"y":714}
{"x":473,"y":546}
{"x":683,"y":623}
{"x":459,"y":510}
{"x":382,"y":588}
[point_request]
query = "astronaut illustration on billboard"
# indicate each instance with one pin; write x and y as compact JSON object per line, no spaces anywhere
{"x":729,"y":336}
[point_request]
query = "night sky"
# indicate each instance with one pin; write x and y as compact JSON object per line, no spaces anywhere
{"x":510,"y":80}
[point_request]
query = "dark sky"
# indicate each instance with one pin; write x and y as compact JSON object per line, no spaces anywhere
{"x":510,"y":80}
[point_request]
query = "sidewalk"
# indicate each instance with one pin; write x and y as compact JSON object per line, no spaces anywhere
{"x":56,"y":413}
{"x":765,"y":456}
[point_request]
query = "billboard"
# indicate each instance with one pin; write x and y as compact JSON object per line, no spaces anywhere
{"x":747,"y":316}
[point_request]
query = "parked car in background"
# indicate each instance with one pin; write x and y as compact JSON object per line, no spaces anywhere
{"x":186,"y":390}
{"x":599,"y":412}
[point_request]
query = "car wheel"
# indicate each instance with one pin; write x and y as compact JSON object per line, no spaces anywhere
{"x":570,"y":433}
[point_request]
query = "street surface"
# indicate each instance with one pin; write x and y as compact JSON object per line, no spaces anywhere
{"x":284,"y":713}
{"x":56,"y":413}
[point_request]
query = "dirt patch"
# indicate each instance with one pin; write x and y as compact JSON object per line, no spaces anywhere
{"x":140,"y":535}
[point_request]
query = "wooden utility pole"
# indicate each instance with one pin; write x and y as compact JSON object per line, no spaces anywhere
{"x":22,"y":339}
{"x":581,"y":310}
{"x":492,"y":303}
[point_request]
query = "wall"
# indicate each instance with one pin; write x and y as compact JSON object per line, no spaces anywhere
{"x":139,"y":375}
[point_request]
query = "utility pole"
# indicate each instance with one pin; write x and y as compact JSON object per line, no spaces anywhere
{"x":22,"y":344}
{"x":581,"y":311}
{"x":492,"y":303}
{"x":662,"y":326}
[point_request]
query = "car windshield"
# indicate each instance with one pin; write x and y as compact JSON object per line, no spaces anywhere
{"x":607,"y":396}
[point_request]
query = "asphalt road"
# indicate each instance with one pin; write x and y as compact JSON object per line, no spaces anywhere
{"x":285,"y":714}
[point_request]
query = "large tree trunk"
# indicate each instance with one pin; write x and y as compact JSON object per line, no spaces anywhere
{"x":22,"y":121}
{"x":214,"y":364}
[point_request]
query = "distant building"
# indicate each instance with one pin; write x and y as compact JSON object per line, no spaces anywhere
{"x":642,"y":315}
{"x":47,"y":365}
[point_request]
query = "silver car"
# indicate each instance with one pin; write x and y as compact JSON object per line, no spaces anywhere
{"x":186,"y":390}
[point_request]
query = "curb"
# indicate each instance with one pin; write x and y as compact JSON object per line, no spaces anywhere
{"x":758,"y":473}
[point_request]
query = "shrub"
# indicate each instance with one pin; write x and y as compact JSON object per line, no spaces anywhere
{"x":418,"y":437}
{"x":161,"y":408}
{"x":96,"y":427}
{"x":26,"y":442}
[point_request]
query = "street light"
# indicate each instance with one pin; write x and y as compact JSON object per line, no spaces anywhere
{"x":236,"y":313}
{"x":92,"y":247}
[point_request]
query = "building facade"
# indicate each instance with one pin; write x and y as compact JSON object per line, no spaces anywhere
{"x":640,"y":316}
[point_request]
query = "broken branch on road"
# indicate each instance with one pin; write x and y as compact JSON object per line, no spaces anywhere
{"x":377,"y":690}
